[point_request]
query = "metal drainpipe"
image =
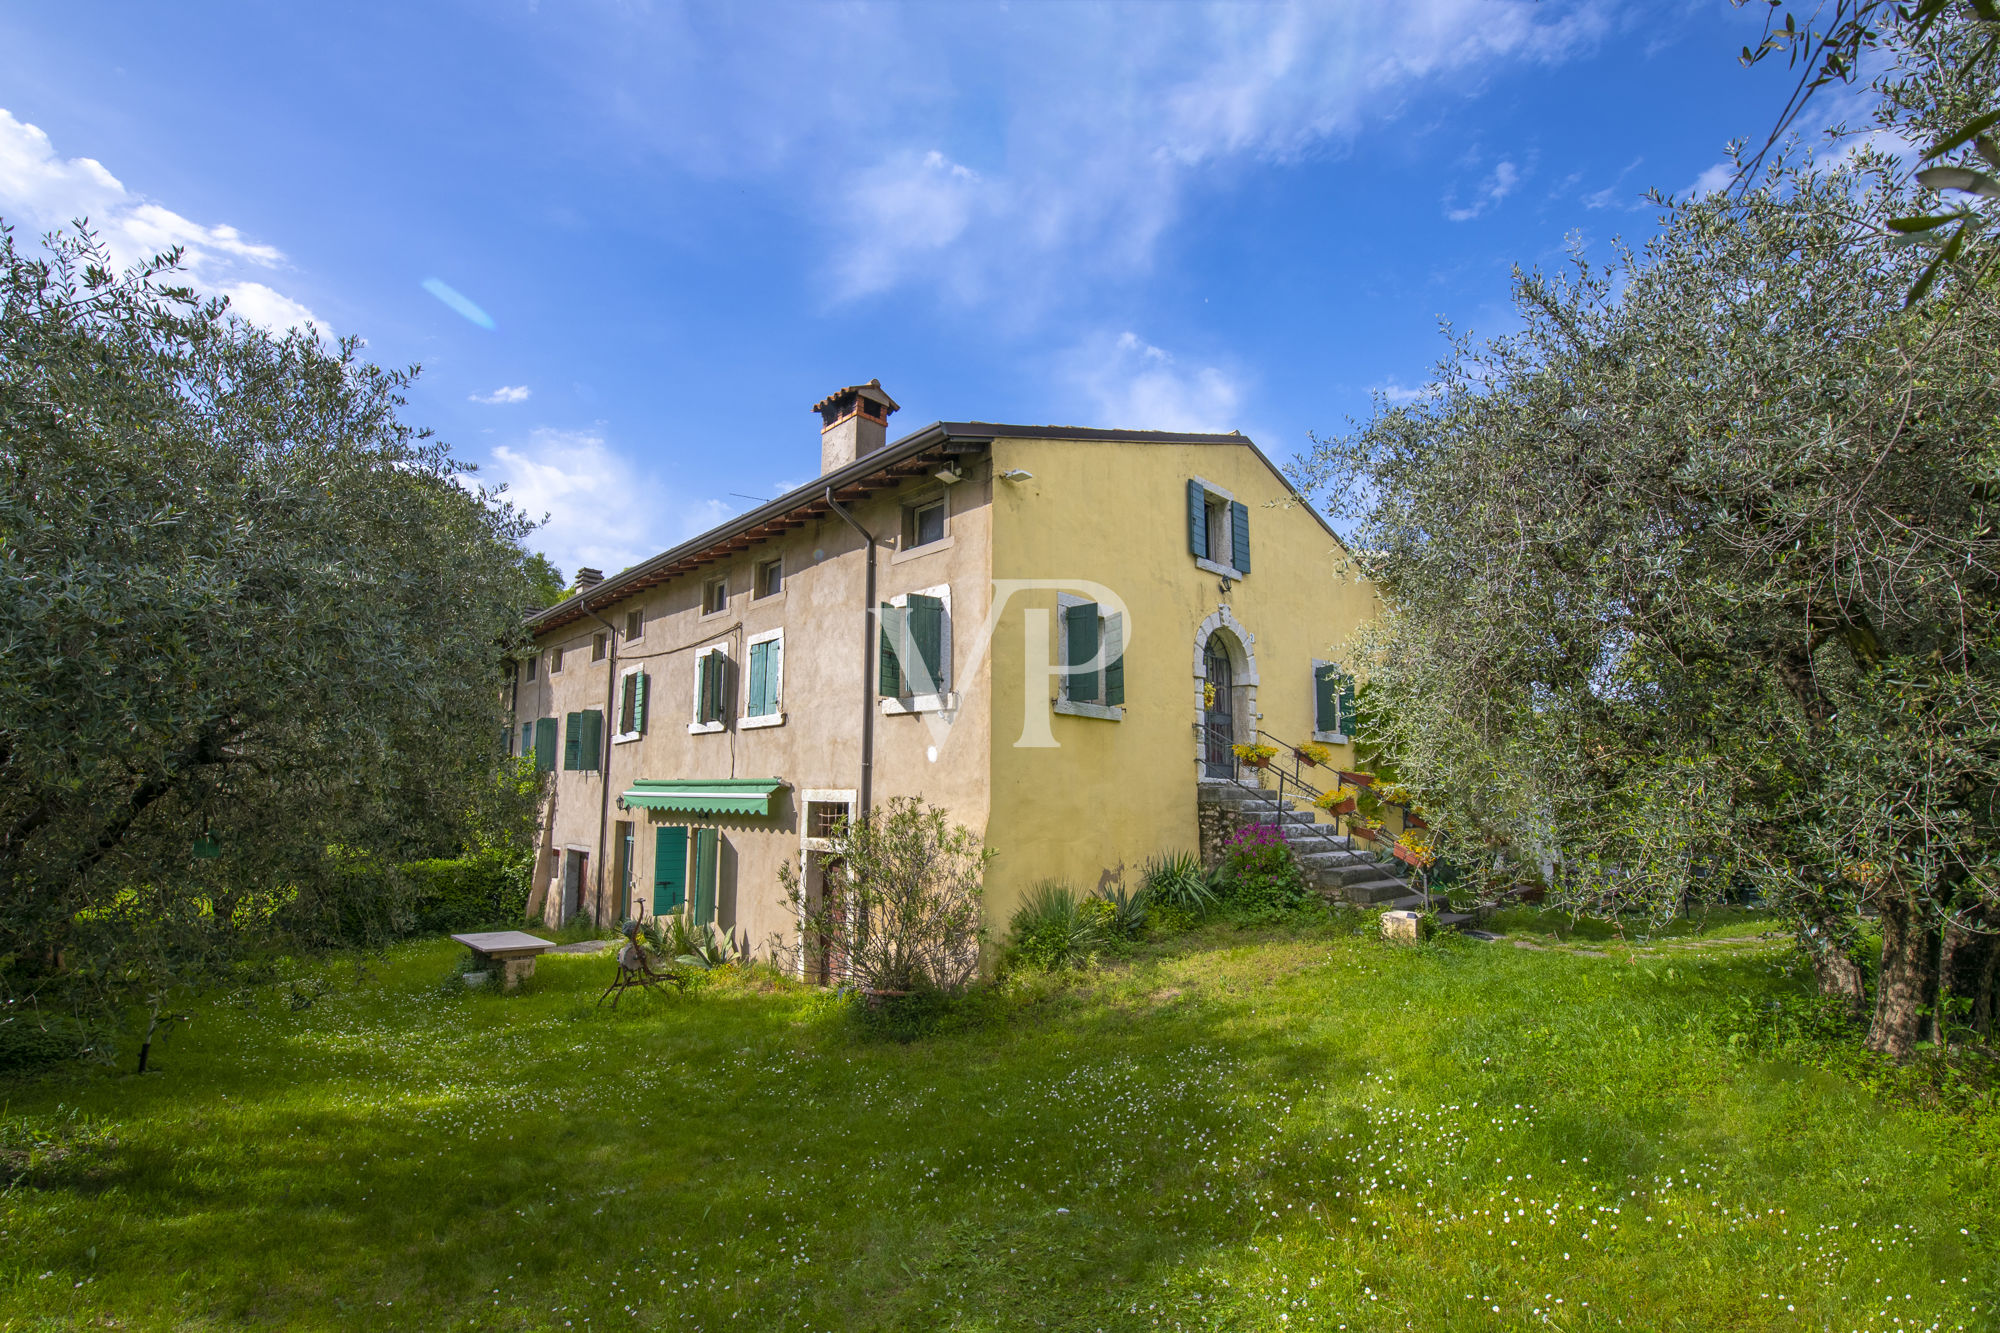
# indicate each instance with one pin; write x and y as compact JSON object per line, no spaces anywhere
{"x":868,"y":632}
{"x":604,"y":749}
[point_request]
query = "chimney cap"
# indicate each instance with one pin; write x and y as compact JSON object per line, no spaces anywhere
{"x":588,"y":577}
{"x":872,"y":390}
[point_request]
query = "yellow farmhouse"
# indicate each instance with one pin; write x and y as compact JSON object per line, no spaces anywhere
{"x":1056,"y":633}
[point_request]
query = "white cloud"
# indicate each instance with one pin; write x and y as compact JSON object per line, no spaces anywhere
{"x":958,"y":149}
{"x":1492,"y":190}
{"x":48,"y":191}
{"x":506,"y":393}
{"x":602,"y":510}
{"x":1616,"y":195}
{"x":1712,"y":181}
{"x":1398,"y":396}
{"x":1132,"y":385}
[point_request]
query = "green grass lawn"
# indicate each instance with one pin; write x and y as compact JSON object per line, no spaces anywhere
{"x":1239,"y":1130}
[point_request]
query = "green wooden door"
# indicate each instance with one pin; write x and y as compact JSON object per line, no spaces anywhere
{"x":705,"y":868}
{"x":670,"y":870}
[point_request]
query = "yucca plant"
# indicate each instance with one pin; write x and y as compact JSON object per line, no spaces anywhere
{"x":1053,"y":928}
{"x":1123,"y":912}
{"x":1177,"y":880}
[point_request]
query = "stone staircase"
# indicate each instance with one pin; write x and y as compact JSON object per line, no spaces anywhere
{"x":1338,"y":866}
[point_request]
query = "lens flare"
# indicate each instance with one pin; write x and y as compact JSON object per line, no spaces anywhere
{"x":442,"y":291}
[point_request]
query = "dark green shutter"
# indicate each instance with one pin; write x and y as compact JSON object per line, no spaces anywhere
{"x":1326,"y":697}
{"x":925,"y":619}
{"x":1197,"y":520}
{"x":645,"y":693}
{"x":1347,"y":718}
{"x":1239,"y":529}
{"x":527,"y":739}
{"x":590,"y":750}
{"x":1081,"y":624}
{"x":760,"y":679}
{"x":1114,"y":661}
{"x":891,"y":682}
{"x":545,"y":744}
{"x":572,"y":741}
{"x":670,"y":870}
{"x":705,"y":874}
{"x":714,"y":673}
{"x":628,"y":704}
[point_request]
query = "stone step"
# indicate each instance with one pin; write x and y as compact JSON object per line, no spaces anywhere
{"x":1374,"y":893}
{"x":1417,"y":902}
{"x":1453,"y":919}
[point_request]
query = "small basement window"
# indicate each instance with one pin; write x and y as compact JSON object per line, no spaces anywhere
{"x":555,"y":660}
{"x":531,"y":665}
{"x":635,"y":623}
{"x":715,"y":597}
{"x":597,"y":648}
{"x":826,"y":819}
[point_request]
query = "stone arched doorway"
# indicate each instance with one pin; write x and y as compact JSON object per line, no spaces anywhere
{"x":1225,"y":669}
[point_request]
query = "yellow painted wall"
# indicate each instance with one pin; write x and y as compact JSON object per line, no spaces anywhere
{"x":1113,"y":793}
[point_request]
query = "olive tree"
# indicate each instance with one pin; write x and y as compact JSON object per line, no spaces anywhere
{"x":1693,"y":585}
{"x":251,"y":629}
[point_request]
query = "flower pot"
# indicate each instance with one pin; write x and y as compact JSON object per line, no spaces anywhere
{"x":1261,"y":761}
{"x":1357,"y":779}
{"x":1414,"y":820}
{"x":1344,"y":808}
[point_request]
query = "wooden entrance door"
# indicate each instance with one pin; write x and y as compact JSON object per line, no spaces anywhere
{"x":1218,"y":715}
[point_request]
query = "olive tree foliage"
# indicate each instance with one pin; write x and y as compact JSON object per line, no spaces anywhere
{"x":1693,"y":584}
{"x":251,"y":627}
{"x":900,"y":907}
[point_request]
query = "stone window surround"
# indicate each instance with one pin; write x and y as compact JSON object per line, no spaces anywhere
{"x":1327,"y":737}
{"x":1063,"y":703}
{"x":622,"y":737}
{"x":1222,"y":568}
{"x":942,"y":701}
{"x":744,"y":721}
{"x":1246,"y":677}
{"x":696,"y":727}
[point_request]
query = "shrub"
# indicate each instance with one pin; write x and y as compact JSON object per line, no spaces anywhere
{"x":32,"y":1042}
{"x":916,"y":880}
{"x":466,"y":892}
{"x":1260,"y":878}
{"x":1176,"y":880}
{"x":1052,"y":928}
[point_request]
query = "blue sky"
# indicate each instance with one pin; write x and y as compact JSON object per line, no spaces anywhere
{"x":632,"y":243}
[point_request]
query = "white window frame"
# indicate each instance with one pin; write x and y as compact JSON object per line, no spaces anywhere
{"x":1223,"y":567}
{"x":744,"y":721}
{"x":1312,"y":702}
{"x":703,"y":612}
{"x":622,"y":737}
{"x":941,"y":701}
{"x":757,"y":593}
{"x":697,"y":727}
{"x":1063,"y":703}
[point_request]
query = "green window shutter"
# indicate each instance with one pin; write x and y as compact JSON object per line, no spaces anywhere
{"x":670,"y":870}
{"x":1239,"y":531}
{"x":545,"y":745}
{"x":527,"y":739}
{"x":572,"y":741}
{"x":760,"y":679}
{"x":1081,"y":624}
{"x":1114,"y":661}
{"x":774,"y":673}
{"x":1326,"y":697}
{"x":714,"y":677}
{"x":705,"y":874}
{"x":1197,"y":520}
{"x":925,"y":638}
{"x":593,"y":739}
{"x":645,"y":698}
{"x":628,"y":704}
{"x":890,"y":686}
{"x":1347,"y":718}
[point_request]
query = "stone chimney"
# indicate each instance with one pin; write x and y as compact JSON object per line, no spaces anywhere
{"x":588,"y":578}
{"x":853,"y":423}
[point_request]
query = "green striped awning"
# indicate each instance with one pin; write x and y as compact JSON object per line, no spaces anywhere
{"x":712,"y":796}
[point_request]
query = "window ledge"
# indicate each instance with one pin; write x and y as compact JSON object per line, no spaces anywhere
{"x":624,"y":736}
{"x":1203,"y":562}
{"x":1331,"y":737}
{"x":766,"y":720}
{"x":1108,"y":712}
{"x":703,"y":728}
{"x":921,"y":703}
{"x":929,"y":548}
